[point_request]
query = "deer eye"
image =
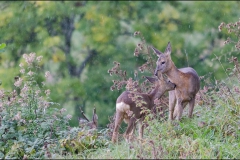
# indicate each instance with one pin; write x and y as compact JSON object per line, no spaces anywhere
{"x":163,"y":62}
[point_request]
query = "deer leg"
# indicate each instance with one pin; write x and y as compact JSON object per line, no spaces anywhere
{"x":191,"y":107}
{"x":179,"y":109}
{"x":130,"y":129}
{"x":172,"y":103}
{"x":140,"y":128}
{"x":118,"y":121}
{"x":176,"y":111}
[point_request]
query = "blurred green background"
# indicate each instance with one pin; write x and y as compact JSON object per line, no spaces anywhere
{"x":79,"y":41}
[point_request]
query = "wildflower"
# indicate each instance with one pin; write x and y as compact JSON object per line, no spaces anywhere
{"x":136,"y":52}
{"x":18,"y":82}
{"x":39,"y":58}
{"x":29,"y":58}
{"x":22,"y":71}
{"x":30,"y":73}
{"x":47,"y":92}
{"x":47,"y":74}
{"x":25,"y":56}
{"x":112,"y":88}
{"x":62,"y":110}
{"x":46,"y":104}
{"x":25,"y":89}
{"x":21,"y":65}
{"x":220,"y":29}
{"x":1,"y":93}
{"x":20,"y":101}
{"x":136,"y":33}
{"x":69,"y":117}
{"x":37,"y":92}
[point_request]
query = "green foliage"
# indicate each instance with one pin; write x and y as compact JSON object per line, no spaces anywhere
{"x":81,"y":140}
{"x":27,"y":124}
{"x":2,"y":46}
{"x":80,"y":41}
{"x":30,"y":127}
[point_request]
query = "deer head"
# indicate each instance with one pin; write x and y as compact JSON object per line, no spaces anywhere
{"x":162,"y":83}
{"x":164,"y":62}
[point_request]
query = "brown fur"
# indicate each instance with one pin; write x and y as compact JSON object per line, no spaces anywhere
{"x":161,"y":86}
{"x":187,"y":83}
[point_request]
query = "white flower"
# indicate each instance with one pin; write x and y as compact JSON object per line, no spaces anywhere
{"x":47,"y":92}
{"x":1,"y":93}
{"x":25,"y":89}
{"x":69,"y":117}
{"x":37,"y":92}
{"x":30,"y":73}
{"x":18,"y":82}
{"x":39,"y":58}
{"x":22,"y":71}
{"x":62,"y":110}
{"x":20,"y":101}
{"x":21,"y":65}
{"x":29,"y":58}
{"x":47,"y":74}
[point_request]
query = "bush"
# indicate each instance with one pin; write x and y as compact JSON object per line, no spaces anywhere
{"x":28,"y":125}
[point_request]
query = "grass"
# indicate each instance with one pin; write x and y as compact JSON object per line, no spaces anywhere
{"x":211,"y":133}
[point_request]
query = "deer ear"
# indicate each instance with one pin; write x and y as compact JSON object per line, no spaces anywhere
{"x":158,"y":53}
{"x":151,"y":79}
{"x":168,"y":50}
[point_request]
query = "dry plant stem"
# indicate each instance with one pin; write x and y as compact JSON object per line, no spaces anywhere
{"x":222,"y":67}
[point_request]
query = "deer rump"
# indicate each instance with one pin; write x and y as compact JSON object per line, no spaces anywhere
{"x":128,"y":106}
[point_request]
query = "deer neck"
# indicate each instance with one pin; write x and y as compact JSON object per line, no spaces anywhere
{"x":173,"y":74}
{"x":155,"y":93}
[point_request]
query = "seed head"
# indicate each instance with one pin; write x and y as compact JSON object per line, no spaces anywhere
{"x":136,"y":33}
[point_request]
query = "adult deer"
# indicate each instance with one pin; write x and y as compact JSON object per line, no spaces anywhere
{"x":125,"y":104}
{"x":187,"y":83}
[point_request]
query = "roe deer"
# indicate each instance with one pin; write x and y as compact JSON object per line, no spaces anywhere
{"x":85,"y":122}
{"x":125,"y":104}
{"x":187,"y":83}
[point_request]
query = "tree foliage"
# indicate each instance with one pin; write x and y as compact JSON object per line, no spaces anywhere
{"x":79,"y":40}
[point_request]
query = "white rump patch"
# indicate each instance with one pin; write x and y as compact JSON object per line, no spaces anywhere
{"x":123,"y":107}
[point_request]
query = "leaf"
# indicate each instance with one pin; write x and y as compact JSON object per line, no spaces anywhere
{"x":2,"y":46}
